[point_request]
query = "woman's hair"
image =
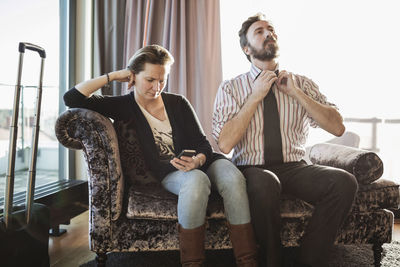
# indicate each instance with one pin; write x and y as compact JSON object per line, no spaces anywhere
{"x":154,"y":54}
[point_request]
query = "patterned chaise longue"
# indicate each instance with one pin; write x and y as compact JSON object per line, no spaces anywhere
{"x":130,"y":211}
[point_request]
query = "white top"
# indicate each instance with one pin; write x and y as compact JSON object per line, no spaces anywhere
{"x":162,"y":133}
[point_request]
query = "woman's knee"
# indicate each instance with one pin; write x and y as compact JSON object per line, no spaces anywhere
{"x":196,"y":184}
{"x":228,"y":179}
{"x":235,"y":184}
{"x":233,"y":190}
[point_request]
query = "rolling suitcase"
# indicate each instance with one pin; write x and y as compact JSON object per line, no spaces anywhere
{"x":24,"y":231}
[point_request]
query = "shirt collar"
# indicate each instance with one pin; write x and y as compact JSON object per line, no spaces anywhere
{"x":254,"y":71}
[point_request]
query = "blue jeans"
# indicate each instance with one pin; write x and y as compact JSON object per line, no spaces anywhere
{"x":193,"y":188}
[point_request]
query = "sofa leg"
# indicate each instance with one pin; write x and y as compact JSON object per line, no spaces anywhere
{"x":101,"y":259}
{"x":377,"y":248}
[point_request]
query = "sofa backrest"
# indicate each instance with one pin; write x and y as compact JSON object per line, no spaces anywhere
{"x":134,"y":167}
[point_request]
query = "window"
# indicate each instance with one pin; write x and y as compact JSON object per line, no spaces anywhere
{"x":23,"y":21}
{"x":349,"y":48}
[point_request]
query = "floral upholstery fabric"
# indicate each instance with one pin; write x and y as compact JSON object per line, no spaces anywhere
{"x":133,"y":165}
{"x":147,"y":217}
{"x":381,"y":194}
{"x":157,"y":203}
{"x":81,"y":128}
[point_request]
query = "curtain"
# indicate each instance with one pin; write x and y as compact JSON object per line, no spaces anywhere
{"x":190,"y":30}
{"x":108,"y":40}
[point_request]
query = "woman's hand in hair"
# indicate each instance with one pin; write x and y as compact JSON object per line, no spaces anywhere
{"x":124,"y":75}
{"x":90,"y":86}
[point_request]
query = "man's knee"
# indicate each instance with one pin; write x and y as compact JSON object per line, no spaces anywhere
{"x":345,"y":184}
{"x":260,"y":181}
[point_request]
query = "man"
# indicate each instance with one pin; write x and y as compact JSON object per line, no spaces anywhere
{"x":264,"y":115}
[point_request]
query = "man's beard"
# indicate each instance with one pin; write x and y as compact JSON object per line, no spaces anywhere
{"x":268,"y":52}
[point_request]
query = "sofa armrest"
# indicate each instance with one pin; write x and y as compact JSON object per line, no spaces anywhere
{"x":366,"y":166}
{"x":79,"y":128}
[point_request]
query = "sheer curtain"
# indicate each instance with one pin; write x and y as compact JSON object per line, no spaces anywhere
{"x":190,"y":30}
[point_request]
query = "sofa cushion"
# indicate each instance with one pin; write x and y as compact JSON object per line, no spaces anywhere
{"x":154,"y":202}
{"x":366,"y":166}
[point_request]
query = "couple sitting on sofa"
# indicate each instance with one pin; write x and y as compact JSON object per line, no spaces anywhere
{"x":264,"y":116}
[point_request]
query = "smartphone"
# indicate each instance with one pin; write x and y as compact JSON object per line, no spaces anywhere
{"x":187,"y":153}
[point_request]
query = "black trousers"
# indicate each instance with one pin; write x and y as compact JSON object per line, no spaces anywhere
{"x":330,"y":190}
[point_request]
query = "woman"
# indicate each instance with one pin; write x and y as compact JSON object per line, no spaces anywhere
{"x":166,"y":124}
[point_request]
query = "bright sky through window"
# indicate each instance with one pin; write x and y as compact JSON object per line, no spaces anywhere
{"x":34,"y":22}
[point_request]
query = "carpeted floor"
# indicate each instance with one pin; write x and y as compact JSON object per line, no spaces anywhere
{"x":341,"y":256}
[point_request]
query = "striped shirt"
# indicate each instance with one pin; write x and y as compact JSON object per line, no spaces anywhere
{"x":294,"y":120}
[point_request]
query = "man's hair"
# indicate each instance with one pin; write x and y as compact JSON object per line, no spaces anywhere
{"x":245,"y":27}
{"x":154,"y":54}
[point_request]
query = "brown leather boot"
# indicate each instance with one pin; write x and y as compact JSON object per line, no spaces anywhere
{"x":244,"y":244}
{"x":191,"y":246}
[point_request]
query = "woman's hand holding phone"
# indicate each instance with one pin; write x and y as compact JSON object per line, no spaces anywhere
{"x":187,"y":160}
{"x":187,"y":153}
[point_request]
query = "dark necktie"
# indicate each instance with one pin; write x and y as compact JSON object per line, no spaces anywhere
{"x":272,"y":132}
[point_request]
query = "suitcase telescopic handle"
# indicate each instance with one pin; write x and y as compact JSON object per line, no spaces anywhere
{"x":23,"y":46}
{"x":8,"y":201}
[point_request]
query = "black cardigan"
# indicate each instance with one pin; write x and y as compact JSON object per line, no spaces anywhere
{"x":187,"y":132}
